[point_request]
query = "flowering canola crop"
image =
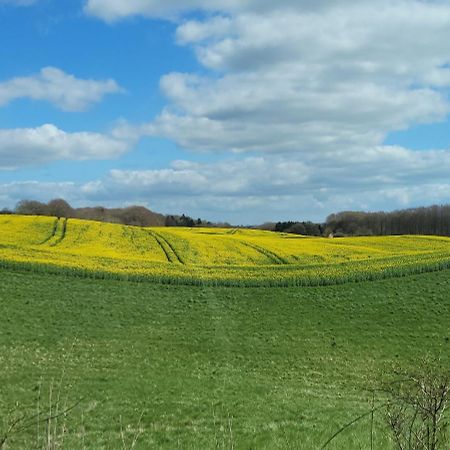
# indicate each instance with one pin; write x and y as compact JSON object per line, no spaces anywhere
{"x":210,"y":255}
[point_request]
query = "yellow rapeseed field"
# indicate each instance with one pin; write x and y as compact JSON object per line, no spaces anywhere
{"x":210,"y":255}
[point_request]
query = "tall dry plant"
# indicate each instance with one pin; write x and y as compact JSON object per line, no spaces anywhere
{"x":416,"y":409}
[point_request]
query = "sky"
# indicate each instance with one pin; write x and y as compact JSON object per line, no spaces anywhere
{"x":243,"y":111}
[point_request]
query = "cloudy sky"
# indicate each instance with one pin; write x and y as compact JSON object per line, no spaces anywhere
{"x":238,"y":110}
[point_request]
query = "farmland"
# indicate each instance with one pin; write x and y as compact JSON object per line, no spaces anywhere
{"x":211,"y":367}
{"x":148,"y":333}
{"x":234,"y":257}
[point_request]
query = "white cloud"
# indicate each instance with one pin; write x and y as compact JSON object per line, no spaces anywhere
{"x":31,"y":146}
{"x":12,"y":193}
{"x":57,"y":87}
{"x":194,"y":31}
{"x":291,"y":76}
{"x":263,"y":176}
{"x":113,"y":10}
{"x":312,"y":88}
{"x":270,"y":187}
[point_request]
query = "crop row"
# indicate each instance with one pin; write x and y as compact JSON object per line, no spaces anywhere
{"x":210,"y":256}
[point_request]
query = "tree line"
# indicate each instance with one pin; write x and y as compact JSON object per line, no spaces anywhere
{"x":132,"y":215}
{"x":432,"y":220}
{"x":304,"y":228}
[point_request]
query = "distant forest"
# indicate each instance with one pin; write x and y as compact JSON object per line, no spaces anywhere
{"x":132,"y":215}
{"x":432,"y":220}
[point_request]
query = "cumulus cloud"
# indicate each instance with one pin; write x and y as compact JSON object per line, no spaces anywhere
{"x":262,"y":176}
{"x":270,"y":187}
{"x":12,"y":193}
{"x":312,"y":88}
{"x":57,"y":87}
{"x":31,"y":146}
{"x":304,"y":76}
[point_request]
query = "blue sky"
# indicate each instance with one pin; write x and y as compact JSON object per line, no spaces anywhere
{"x":241,"y":111}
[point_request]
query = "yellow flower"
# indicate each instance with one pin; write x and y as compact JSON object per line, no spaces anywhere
{"x":210,"y":255}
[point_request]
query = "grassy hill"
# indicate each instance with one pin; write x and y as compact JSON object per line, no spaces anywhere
{"x":210,"y":255}
{"x":209,"y":367}
{"x":203,"y":363}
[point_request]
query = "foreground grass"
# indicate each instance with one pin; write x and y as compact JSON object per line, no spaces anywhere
{"x":211,"y":367}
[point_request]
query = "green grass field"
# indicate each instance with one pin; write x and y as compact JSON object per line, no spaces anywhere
{"x":210,"y":367}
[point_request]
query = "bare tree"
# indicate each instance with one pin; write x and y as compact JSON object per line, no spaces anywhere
{"x":59,"y":208}
{"x":416,"y":408}
{"x":31,"y":207}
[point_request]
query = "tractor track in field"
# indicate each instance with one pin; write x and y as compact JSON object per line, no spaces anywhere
{"x":63,"y":233}
{"x":53,"y":232}
{"x":171,"y":255}
{"x":276,"y":259}
{"x":130,"y":234}
{"x":133,"y":238}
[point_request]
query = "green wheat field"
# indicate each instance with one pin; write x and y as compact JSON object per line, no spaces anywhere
{"x":89,"y":363}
